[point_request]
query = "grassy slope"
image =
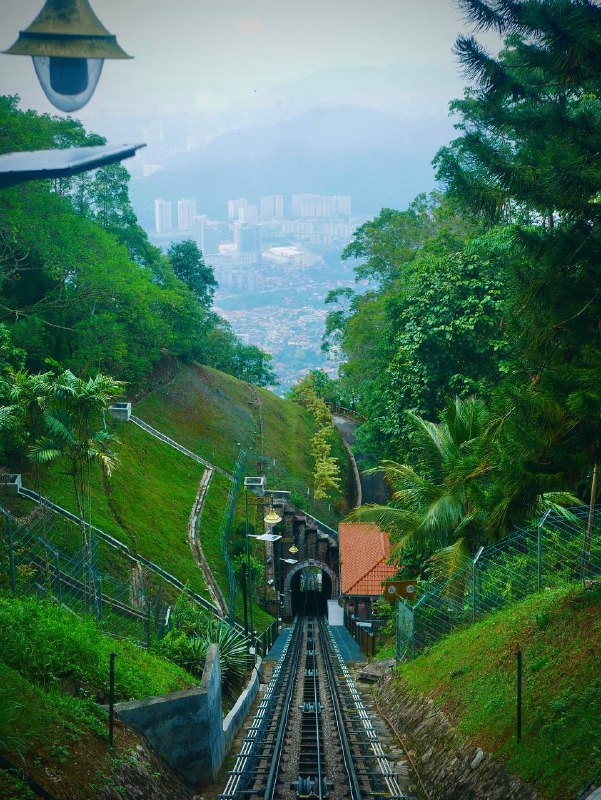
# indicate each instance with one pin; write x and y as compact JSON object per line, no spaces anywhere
{"x":158,"y":529}
{"x":207,"y":411}
{"x":212,"y":414}
{"x":52,"y":668}
{"x":471,"y":674}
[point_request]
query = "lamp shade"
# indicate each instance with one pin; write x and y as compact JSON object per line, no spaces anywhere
{"x":293,"y":549}
{"x":272,"y":517}
{"x":68,"y":45}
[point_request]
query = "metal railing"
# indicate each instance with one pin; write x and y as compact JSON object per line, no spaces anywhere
{"x":264,"y":641}
{"x":369,"y":640}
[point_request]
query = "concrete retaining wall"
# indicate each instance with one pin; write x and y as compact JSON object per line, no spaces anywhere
{"x":235,"y":719}
{"x":187,"y":728}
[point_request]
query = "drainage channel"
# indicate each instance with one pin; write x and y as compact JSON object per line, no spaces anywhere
{"x":311,"y":738}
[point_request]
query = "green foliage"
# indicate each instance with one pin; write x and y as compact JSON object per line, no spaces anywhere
{"x":472,"y":674}
{"x":441,"y":505}
{"x":80,"y":283}
{"x":434,"y":326}
{"x":188,"y":265}
{"x":54,"y":649}
{"x":528,"y":157}
{"x":326,"y":473}
{"x":187,"y":643}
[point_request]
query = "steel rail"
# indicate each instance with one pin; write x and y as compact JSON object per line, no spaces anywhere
{"x":354,"y":783}
{"x":367,"y":738}
{"x":311,"y":782}
{"x":272,"y":777}
{"x":252,"y":751}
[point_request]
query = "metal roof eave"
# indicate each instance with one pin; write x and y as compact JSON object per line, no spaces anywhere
{"x":16,"y":168}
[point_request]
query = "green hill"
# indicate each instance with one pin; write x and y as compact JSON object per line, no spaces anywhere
{"x":471,"y":675}
{"x":147,"y":502}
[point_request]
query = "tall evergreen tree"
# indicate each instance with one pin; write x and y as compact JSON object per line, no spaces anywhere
{"x":530,"y":154}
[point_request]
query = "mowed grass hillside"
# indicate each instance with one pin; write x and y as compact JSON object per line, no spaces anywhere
{"x":54,"y":672}
{"x":215,"y":415}
{"x":146,"y":503}
{"x":472,"y":676}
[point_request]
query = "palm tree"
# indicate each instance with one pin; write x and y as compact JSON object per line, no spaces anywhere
{"x":440,"y":505}
{"x":72,"y":407}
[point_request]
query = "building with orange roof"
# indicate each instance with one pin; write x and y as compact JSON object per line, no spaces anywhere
{"x":364,"y":552}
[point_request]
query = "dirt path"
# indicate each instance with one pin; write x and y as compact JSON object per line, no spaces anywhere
{"x":196,"y":546}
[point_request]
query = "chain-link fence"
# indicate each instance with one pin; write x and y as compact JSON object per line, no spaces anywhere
{"x":226,"y":526}
{"x":30,"y":563}
{"x":560,"y":547}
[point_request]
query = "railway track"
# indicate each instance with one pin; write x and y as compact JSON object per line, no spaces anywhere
{"x":311,"y":737}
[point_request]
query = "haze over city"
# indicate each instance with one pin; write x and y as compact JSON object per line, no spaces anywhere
{"x":250,"y":100}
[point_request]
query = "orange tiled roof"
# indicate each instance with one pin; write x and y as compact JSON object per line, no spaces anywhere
{"x":364,"y":550}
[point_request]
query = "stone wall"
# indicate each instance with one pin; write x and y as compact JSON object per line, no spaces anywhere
{"x":235,"y":719}
{"x":450,"y":768}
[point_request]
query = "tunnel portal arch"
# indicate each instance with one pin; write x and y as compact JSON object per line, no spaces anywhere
{"x":310,"y":562}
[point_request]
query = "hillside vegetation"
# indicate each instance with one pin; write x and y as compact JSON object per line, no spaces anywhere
{"x":147,"y":501}
{"x":54,"y":671}
{"x":471,"y":675}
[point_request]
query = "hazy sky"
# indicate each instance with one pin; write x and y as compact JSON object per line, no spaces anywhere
{"x":199,"y":54}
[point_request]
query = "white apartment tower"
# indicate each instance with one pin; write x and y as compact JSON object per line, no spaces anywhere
{"x":272,"y":206}
{"x":163,"y":221}
{"x":234,"y":206}
{"x":186,"y":211}
{"x":206,"y":235}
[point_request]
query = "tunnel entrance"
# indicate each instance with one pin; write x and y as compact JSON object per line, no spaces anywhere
{"x":310,"y":590}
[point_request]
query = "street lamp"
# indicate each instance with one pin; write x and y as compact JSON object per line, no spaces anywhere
{"x":68,"y":45}
{"x":272,"y":517}
{"x":293,"y":549}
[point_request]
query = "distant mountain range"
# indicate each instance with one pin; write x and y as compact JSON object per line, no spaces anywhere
{"x":378,"y":158}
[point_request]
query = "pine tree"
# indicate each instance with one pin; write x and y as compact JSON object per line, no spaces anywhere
{"x":530,"y":155}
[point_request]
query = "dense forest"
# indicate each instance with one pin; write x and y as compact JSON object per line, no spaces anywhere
{"x":475,"y":356}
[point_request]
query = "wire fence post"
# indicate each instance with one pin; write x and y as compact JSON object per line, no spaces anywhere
{"x":148,"y":623}
{"x":474,"y":563}
{"x":519,"y":696}
{"x":99,"y":603}
{"x":111,"y":697}
{"x":539,"y":551}
{"x":57,"y":581}
{"x":11,"y":553}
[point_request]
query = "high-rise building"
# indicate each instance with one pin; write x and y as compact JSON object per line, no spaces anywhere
{"x":206,"y":235}
{"x":234,"y":206}
{"x":247,"y":237}
{"x":212,"y":239}
{"x":343,"y":205}
{"x":267,"y":206}
{"x":248,"y":213}
{"x":163,"y":221}
{"x":272,"y":206}
{"x":319,"y":205}
{"x":186,"y":211}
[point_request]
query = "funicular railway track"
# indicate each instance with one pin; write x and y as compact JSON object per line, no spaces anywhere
{"x":311,"y":736}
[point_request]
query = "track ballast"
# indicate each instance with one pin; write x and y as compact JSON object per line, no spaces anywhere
{"x":311,"y":737}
